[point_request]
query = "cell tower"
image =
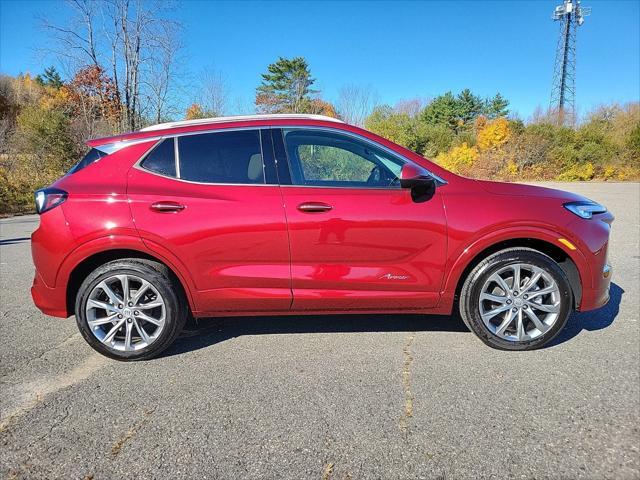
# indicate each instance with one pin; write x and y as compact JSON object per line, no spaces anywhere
{"x":570,"y":15}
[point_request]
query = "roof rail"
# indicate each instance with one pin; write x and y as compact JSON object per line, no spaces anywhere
{"x":240,"y":118}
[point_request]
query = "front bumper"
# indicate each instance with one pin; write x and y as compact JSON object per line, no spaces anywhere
{"x":593,"y":298}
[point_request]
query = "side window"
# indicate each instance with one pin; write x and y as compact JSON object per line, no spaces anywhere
{"x":324,"y":158}
{"x":91,"y":156}
{"x":221,"y":157}
{"x":162,"y":159}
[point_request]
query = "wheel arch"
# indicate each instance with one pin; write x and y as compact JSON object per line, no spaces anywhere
{"x":564,"y":260}
{"x":93,"y":261}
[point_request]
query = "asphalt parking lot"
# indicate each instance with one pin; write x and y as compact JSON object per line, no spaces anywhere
{"x":327,"y":397}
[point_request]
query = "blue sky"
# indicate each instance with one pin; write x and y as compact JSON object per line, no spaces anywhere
{"x":401,"y":49}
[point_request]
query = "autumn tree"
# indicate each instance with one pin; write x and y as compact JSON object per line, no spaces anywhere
{"x":95,"y":102}
{"x":286,"y":87}
{"x":194,"y":111}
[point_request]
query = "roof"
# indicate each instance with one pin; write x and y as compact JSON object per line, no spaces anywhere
{"x":239,"y":118}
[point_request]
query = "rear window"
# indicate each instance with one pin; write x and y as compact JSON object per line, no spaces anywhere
{"x":222,"y":157}
{"x":162,"y":159}
{"x":91,"y":156}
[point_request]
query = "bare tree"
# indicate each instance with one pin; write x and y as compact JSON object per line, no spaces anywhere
{"x":411,"y":107}
{"x":163,"y":73}
{"x":76,"y":40}
{"x":132,"y":42}
{"x":355,"y":103}
{"x":214,"y":93}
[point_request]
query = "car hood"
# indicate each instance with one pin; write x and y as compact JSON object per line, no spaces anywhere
{"x":518,"y":189}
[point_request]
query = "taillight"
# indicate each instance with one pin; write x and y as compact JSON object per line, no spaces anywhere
{"x":48,"y":198}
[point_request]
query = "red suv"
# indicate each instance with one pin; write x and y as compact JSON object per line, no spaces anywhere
{"x":301,"y":214}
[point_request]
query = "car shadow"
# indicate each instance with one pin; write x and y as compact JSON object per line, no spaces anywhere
{"x":202,"y":333}
{"x":592,"y":320}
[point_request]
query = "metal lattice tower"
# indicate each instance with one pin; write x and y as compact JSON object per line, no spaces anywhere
{"x":562,"y":106}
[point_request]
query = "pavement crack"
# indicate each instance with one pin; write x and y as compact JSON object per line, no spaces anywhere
{"x":30,"y":395}
{"x":406,"y":383}
{"x":327,"y":471}
{"x":71,"y":338}
{"x":119,"y":444}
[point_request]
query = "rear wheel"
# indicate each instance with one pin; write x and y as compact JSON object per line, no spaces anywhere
{"x":130,"y":309}
{"x":516,"y":299}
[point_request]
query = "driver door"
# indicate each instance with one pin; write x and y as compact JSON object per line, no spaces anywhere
{"x":358,"y":241}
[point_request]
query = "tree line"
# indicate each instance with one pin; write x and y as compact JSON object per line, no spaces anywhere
{"x":122,"y":60}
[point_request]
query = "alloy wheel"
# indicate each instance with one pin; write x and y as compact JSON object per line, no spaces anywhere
{"x":125,"y":312}
{"x":520,"y":302}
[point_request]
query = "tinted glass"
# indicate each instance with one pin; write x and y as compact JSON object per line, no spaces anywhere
{"x":324,"y":158}
{"x":162,"y":159}
{"x":92,"y":155}
{"x":222,"y":157}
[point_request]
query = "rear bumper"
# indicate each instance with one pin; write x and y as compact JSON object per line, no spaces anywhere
{"x":50,"y":301}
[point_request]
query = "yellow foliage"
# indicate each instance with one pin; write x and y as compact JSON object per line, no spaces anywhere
{"x":194,"y":111}
{"x":55,"y":98}
{"x":511,"y":168}
{"x":578,"y":172}
{"x":493,"y":134}
{"x":458,"y":158}
{"x":609,"y":172}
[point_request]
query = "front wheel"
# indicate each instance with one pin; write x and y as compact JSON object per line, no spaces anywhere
{"x":130,"y":309}
{"x":516,"y":299}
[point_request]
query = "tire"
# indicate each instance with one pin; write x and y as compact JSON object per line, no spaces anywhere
{"x":502,"y":304}
{"x":113,"y":328}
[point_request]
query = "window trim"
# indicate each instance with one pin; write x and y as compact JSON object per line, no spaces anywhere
{"x":351,"y":184}
{"x":149,"y":152}
{"x":276,"y":139}
{"x":439,"y":180}
{"x":138,"y":164}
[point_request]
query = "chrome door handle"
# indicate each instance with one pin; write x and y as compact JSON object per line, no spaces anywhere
{"x":167,"y":207}
{"x":314,"y":207}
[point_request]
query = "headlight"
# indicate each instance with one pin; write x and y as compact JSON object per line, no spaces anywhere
{"x":585,"y":209}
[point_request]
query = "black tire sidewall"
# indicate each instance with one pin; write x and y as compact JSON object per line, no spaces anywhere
{"x":175,"y":308}
{"x":470,"y":297}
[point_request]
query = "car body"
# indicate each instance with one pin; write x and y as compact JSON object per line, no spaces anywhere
{"x":288,"y":234}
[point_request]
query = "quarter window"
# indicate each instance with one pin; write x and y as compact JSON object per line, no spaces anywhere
{"x":162,"y":159}
{"x":323,"y":158}
{"x":221,"y":157}
{"x":91,"y":156}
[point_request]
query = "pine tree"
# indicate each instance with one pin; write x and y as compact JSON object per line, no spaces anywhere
{"x":286,"y":87}
{"x":50,"y":78}
{"x":496,"y":107}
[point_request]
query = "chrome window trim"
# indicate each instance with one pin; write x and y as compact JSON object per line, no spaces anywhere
{"x":175,"y":136}
{"x":391,"y":152}
{"x":176,"y":156}
{"x":138,"y":164}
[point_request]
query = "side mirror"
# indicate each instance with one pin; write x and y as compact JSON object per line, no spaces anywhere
{"x":422,"y":185}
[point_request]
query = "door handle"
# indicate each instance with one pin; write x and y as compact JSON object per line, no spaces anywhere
{"x":167,"y":207}
{"x":314,"y":207}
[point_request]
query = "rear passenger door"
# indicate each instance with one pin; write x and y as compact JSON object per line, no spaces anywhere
{"x":212,"y":200}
